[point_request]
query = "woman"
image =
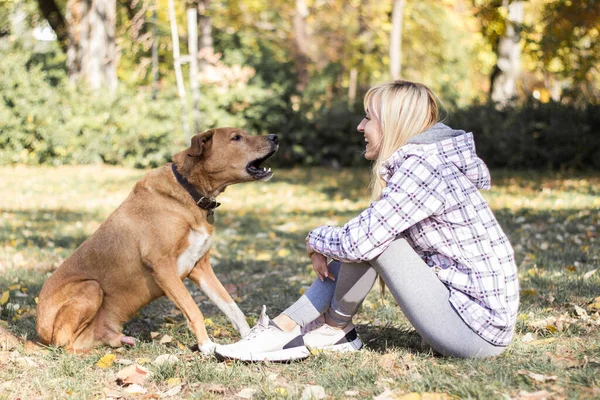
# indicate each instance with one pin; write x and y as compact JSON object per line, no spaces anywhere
{"x":428,"y":233}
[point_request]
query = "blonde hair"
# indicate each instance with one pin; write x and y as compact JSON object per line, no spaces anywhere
{"x":403,"y":110}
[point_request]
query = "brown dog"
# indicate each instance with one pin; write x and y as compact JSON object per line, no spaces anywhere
{"x":156,"y":238}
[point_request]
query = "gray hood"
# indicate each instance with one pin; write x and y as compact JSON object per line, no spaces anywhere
{"x":443,"y":146}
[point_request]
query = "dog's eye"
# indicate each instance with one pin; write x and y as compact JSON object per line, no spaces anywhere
{"x":236,"y":137}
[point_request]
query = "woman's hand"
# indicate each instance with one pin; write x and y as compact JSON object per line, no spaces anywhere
{"x":319,"y":262}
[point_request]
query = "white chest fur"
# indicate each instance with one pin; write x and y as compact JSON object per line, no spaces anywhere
{"x":198,"y":245}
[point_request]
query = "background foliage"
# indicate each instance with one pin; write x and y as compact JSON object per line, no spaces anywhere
{"x":253,"y":82}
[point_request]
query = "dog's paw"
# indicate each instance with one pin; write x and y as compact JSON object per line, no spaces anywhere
{"x":207,"y":348}
{"x":128,"y":340}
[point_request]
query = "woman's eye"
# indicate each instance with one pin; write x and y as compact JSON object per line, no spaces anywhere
{"x":367,"y":118}
{"x":236,"y":137}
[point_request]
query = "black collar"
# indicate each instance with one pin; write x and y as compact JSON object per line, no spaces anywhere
{"x":203,"y":202}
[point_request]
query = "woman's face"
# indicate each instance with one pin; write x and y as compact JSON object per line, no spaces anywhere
{"x":371,"y":129}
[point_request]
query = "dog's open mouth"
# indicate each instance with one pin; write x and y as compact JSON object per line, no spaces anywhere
{"x":257,"y":172}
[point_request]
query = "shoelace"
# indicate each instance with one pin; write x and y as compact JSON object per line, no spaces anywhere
{"x":255,"y":331}
{"x":311,"y":325}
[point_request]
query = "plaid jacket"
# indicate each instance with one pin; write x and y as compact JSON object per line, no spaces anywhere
{"x":432,"y":200}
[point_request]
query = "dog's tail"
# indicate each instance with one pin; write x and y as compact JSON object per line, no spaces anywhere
{"x":9,"y":341}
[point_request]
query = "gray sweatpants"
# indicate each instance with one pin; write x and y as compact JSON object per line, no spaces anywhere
{"x":422,"y":297}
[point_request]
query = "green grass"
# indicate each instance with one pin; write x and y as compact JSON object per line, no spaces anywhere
{"x":258,"y":253}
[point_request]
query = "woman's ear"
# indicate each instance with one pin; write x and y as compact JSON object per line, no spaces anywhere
{"x":198,"y":143}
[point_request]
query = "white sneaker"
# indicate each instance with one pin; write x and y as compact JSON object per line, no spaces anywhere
{"x":320,"y":336}
{"x":265,"y":342}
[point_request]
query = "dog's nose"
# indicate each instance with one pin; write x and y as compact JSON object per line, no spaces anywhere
{"x":273,"y":138}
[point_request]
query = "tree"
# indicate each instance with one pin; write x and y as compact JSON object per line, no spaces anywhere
{"x":88,"y":36}
{"x":92,"y":50}
{"x":396,"y":39}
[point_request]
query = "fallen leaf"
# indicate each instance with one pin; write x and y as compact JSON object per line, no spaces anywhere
{"x":435,"y":396}
{"x":588,"y":274}
{"x":143,"y":361}
{"x":351,"y":393}
{"x":106,"y":361}
{"x":123,"y":361}
{"x":396,"y":395}
{"x":387,"y":361}
{"x":132,"y":374}
{"x":542,"y":341}
{"x":217,"y":389}
{"x":165,"y":359}
{"x":537,"y":377}
{"x":246,"y":393}
{"x":281,"y":391}
{"x":134,"y":389}
{"x":173,"y":382}
{"x":528,"y":338}
{"x":26,"y":362}
{"x":579,"y":311}
{"x":313,"y":392}
{"x":565,"y":361}
{"x":154,"y":335}
{"x":539,"y":395}
{"x":4,"y":298}
{"x":172,"y":391}
{"x":112,"y":394}
{"x":166,"y":339}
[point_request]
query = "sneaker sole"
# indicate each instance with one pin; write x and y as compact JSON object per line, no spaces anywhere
{"x":295,"y":353}
{"x":348,"y":347}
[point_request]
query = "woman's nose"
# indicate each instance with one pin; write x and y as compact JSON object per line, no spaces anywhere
{"x":361,"y":126}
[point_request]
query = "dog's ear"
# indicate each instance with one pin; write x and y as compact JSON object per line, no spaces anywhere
{"x":198,"y":143}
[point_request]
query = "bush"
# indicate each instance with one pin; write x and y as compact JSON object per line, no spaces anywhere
{"x":46,"y":120}
{"x":535,"y":135}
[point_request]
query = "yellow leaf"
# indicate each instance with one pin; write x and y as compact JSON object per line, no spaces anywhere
{"x":281,"y":391}
{"x":409,"y":396}
{"x":4,"y":298}
{"x":302,"y":291}
{"x":143,"y":361}
{"x":551,"y":328}
{"x":283,"y":253}
{"x":529,"y":292}
{"x":173,"y":382}
{"x":106,"y":361}
{"x":542,"y":341}
{"x":208,"y":322}
{"x":263,"y":256}
{"x":217,"y":332}
{"x":16,"y":286}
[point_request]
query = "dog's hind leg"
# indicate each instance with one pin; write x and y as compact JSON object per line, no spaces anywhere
{"x":204,"y":276}
{"x":74,"y":307}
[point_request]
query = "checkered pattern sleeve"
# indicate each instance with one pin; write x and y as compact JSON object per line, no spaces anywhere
{"x":414,"y":192}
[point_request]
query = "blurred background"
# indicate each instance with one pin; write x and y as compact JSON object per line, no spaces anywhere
{"x":126,"y":82}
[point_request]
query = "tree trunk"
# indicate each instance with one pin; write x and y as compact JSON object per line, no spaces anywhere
{"x":57,"y":22}
{"x":301,"y":44}
{"x":92,"y":51}
{"x":205,"y":41}
{"x":503,"y":87}
{"x":396,"y":39}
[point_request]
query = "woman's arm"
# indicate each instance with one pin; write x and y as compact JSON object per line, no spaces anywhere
{"x":413,"y":193}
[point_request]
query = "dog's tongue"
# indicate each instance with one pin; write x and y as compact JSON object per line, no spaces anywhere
{"x":264,"y":318}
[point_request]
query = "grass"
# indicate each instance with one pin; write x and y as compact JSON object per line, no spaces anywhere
{"x":258,"y":253}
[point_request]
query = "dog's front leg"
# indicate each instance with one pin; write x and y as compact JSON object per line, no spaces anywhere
{"x":204,"y":276}
{"x":165,"y":275}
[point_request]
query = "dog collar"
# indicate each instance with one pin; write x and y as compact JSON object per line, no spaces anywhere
{"x":204,"y":203}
